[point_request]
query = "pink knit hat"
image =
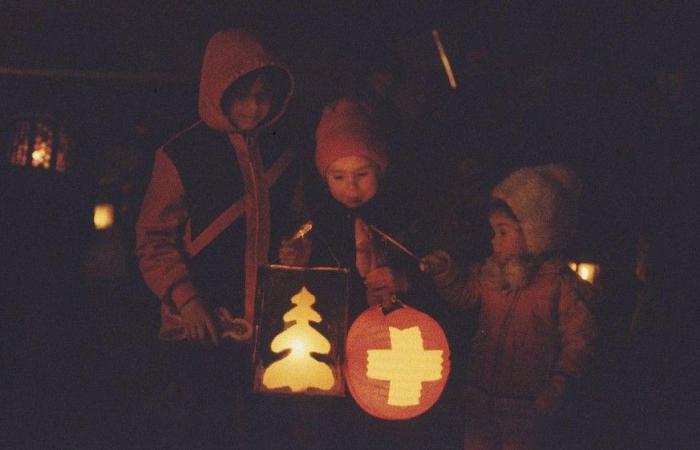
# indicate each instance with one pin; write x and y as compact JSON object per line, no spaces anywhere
{"x":347,"y":128}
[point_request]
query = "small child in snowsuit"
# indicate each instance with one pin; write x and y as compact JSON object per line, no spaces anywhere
{"x":535,"y":329}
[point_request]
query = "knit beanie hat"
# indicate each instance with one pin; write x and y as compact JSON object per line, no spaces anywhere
{"x":347,"y":128}
{"x":544,"y":199}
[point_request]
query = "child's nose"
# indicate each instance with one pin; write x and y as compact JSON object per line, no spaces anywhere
{"x":250,"y":103}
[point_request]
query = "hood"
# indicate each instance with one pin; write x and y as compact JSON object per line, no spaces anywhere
{"x":229,"y":56}
{"x":544,"y":199}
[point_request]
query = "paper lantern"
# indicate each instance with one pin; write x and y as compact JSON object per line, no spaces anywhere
{"x":397,"y":363}
{"x":301,"y":321}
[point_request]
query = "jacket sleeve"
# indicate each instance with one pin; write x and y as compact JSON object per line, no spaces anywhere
{"x":576,"y":330}
{"x":460,"y":290}
{"x":159,"y":235}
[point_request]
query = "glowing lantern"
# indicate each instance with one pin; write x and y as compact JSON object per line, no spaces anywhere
{"x":301,"y":320}
{"x":39,"y":141}
{"x":103,"y":216}
{"x":397,"y":363}
{"x":298,"y":369}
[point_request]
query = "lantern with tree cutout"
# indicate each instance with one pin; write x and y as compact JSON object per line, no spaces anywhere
{"x":301,"y":322}
{"x":397,"y":362}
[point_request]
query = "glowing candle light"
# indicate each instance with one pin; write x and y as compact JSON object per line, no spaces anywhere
{"x":299,"y":370}
{"x":103,"y":216}
{"x":588,"y":271}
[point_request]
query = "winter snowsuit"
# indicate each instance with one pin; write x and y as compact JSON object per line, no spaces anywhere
{"x":525,"y":338}
{"x":200,"y":174}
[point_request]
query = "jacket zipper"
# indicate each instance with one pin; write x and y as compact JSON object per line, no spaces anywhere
{"x":501,"y":340}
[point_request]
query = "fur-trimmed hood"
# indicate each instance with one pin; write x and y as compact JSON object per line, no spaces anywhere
{"x":229,"y":56}
{"x":544,"y":199}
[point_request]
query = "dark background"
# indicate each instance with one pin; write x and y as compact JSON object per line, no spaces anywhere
{"x":607,"y":87}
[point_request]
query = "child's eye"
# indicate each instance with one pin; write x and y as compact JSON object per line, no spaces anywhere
{"x":337,"y":177}
{"x":362,"y":174}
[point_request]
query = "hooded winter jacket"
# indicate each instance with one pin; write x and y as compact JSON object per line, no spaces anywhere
{"x":206,"y":174}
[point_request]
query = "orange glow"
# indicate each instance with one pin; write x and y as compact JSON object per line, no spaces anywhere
{"x":41,"y":156}
{"x":299,"y":370}
{"x":445,"y":60}
{"x":397,"y":364}
{"x":103,"y":216}
{"x":588,"y":271}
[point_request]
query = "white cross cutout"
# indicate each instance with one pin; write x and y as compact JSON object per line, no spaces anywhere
{"x":405,"y":365}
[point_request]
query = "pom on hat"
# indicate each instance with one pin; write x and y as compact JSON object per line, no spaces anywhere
{"x":545,"y":201}
{"x":347,"y":129}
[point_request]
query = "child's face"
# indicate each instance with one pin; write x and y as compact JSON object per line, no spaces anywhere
{"x":508,"y":239}
{"x":352,"y":180}
{"x":250,"y":107}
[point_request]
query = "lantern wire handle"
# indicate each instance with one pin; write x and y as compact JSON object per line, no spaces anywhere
{"x":395,"y":304}
{"x":394,"y":242}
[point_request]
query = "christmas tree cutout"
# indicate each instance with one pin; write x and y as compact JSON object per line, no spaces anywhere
{"x":299,"y":370}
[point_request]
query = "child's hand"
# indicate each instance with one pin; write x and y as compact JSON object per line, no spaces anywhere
{"x":382,"y":285}
{"x":199,"y":322}
{"x":436,"y":263}
{"x":295,"y":252}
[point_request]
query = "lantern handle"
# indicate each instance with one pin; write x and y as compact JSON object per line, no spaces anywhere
{"x":395,"y":304}
{"x":388,"y":238}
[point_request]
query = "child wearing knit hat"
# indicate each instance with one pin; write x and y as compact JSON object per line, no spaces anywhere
{"x":535,"y":330}
{"x":351,"y":157}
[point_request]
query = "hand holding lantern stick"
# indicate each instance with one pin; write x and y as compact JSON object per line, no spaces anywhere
{"x":296,"y":250}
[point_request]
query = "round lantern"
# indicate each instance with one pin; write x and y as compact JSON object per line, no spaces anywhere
{"x":397,"y":363}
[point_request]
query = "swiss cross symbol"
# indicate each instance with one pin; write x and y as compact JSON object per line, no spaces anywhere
{"x":405,"y":365}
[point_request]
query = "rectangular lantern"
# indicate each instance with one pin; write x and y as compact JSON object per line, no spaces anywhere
{"x":300,"y":327}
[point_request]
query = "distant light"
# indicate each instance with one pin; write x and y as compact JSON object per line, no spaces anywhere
{"x":40,"y":141}
{"x":103,"y":216}
{"x":586,"y":271}
{"x":445,"y":60}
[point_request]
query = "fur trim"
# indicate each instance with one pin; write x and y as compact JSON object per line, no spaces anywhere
{"x":515,"y":273}
{"x":545,"y":201}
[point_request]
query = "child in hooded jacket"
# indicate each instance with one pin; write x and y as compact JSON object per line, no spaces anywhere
{"x":535,"y":330}
{"x":205,"y":226}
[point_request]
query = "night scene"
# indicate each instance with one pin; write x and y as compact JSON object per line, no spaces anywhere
{"x":349,"y":225}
